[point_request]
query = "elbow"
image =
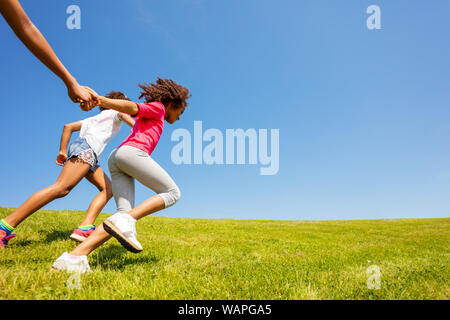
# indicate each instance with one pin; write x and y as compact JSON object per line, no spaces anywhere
{"x":25,"y":27}
{"x":68,"y":128}
{"x":134,"y":110}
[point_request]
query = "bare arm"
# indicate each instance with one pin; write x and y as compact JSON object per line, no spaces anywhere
{"x":65,"y":138}
{"x":127,"y":119}
{"x":32,"y":38}
{"x":123,"y":106}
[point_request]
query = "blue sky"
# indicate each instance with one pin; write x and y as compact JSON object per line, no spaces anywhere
{"x":363,"y":114}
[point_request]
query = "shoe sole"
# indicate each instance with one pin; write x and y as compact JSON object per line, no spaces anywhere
{"x":77,"y":237}
{"x":53,"y":269}
{"x":112,"y":230}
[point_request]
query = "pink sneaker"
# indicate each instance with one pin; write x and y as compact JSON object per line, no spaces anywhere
{"x":4,"y":238}
{"x":80,"y":235}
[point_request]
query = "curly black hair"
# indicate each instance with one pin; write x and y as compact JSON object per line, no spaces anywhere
{"x":165,"y":91}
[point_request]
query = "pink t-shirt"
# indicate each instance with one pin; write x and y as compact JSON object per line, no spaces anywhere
{"x":148,"y":127}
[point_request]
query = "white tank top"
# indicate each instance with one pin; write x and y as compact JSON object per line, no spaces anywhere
{"x":100,"y":129}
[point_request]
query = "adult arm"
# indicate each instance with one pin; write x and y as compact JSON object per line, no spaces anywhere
{"x":32,"y":38}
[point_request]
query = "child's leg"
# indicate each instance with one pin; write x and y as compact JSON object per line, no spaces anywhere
{"x":123,"y":190}
{"x":95,"y":240}
{"x":71,"y":174}
{"x":149,"y":206}
{"x":99,"y":179}
{"x":124,"y":164}
{"x":138,"y":164}
{"x":122,"y":185}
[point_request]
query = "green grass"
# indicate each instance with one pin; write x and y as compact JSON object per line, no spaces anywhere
{"x":234,"y":259}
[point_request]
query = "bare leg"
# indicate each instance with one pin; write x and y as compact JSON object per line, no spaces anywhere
{"x":147,"y":207}
{"x":123,"y":187}
{"x":72,"y":173}
{"x":143,"y":168}
{"x":100,"y":236}
{"x":103,"y":184}
{"x":95,"y":240}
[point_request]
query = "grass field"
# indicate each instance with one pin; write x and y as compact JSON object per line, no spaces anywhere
{"x":234,"y":259}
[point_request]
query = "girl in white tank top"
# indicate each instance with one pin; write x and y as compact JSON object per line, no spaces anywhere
{"x":80,"y":161}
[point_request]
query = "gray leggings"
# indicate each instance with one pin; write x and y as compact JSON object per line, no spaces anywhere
{"x":128,"y":163}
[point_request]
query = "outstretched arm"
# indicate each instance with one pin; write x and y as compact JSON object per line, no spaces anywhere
{"x":123,"y":106}
{"x":65,"y":138}
{"x":32,"y":38}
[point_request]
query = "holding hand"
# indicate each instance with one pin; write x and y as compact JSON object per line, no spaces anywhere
{"x":61,"y":158}
{"x":79,"y":94}
{"x":124,"y":106}
{"x":95,"y":101}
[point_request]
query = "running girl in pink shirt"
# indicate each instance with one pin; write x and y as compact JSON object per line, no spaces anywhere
{"x":165,"y":100}
{"x":80,"y":162}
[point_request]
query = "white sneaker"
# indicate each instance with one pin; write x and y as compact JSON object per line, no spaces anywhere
{"x":69,"y":263}
{"x":122,"y":226}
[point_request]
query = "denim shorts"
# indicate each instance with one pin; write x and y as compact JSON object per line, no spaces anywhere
{"x":81,"y":149}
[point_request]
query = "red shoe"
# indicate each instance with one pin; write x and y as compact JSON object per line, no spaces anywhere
{"x":80,"y":235}
{"x":4,"y":238}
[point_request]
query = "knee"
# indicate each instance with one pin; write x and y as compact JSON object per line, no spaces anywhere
{"x":174,"y":196}
{"x":108,"y":191}
{"x":60,"y":191}
{"x":171,"y":196}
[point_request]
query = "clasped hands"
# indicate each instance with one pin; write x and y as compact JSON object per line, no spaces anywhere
{"x":85,"y":96}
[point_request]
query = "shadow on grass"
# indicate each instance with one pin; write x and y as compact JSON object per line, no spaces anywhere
{"x":47,"y":237}
{"x":21,"y":243}
{"x":117,"y":258}
{"x":57,"y":235}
